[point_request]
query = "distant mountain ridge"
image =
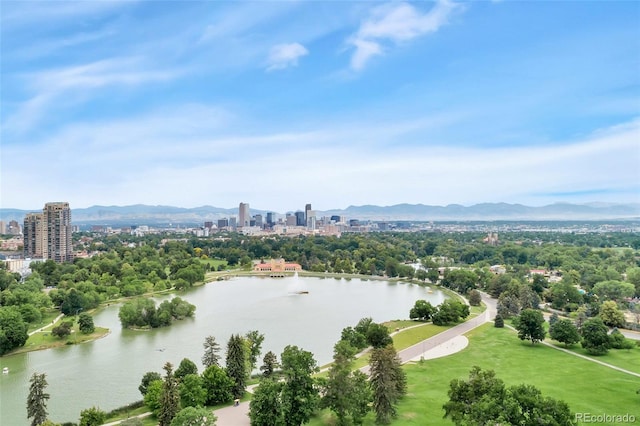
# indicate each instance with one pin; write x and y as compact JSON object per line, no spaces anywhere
{"x":141,"y":214}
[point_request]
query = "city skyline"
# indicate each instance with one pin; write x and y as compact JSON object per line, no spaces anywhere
{"x":342,"y":103}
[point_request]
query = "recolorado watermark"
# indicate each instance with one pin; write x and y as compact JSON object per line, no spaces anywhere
{"x":605,"y":418}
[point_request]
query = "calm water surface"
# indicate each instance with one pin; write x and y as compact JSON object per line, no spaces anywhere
{"x":106,"y":373}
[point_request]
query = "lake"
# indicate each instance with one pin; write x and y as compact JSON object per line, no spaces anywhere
{"x":106,"y":373}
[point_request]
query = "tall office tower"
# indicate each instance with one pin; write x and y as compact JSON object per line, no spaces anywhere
{"x":258,"y":220}
{"x":57,"y":219}
{"x":232,"y":223}
{"x":311,"y":219}
{"x":270,"y":221}
{"x":307,"y":209}
{"x":35,"y":241}
{"x":291,"y":220}
{"x":300,"y":219}
{"x":243,"y":215}
{"x":223,"y":223}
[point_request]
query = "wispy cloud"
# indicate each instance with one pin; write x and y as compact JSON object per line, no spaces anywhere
{"x":395,"y":23}
{"x":285,"y":55}
{"x":65,"y":86}
{"x":163,"y":151}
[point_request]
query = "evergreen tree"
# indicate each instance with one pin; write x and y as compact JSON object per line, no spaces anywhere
{"x":170,"y":399}
{"x":388,"y":382}
{"x":269,"y":364}
{"x":37,"y":399}
{"x":499,"y":321}
{"x":236,"y":365}
{"x":211,"y":352}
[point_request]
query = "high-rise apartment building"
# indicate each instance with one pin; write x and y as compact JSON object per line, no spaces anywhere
{"x":244,"y":217}
{"x":47,"y":235}
{"x":34,"y":237}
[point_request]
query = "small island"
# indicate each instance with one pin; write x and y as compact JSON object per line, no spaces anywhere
{"x":142,"y":313}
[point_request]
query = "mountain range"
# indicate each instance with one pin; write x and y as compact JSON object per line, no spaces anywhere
{"x":141,"y":214}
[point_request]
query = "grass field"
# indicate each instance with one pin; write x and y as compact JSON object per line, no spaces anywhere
{"x":585,"y":386}
{"x":45,"y":340}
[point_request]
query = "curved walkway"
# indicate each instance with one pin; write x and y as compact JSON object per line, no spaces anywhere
{"x":58,"y":318}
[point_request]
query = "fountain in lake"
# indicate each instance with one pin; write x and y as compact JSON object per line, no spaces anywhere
{"x":297,"y":286}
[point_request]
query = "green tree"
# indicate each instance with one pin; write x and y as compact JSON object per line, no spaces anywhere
{"x":218,"y":385}
{"x":211,"y":352}
{"x":254,"y":341}
{"x":474,"y":298}
{"x":153,"y":396}
{"x":422,"y":310}
{"x":530,"y":325}
{"x":476,"y":399}
{"x":147,"y":379}
{"x":450,"y":311}
{"x":192,"y":392}
{"x":355,"y":338}
{"x":594,"y":336}
{"x":265,"y":408}
{"x":299,"y":396}
{"x":378,"y":335}
{"x":610,"y":314}
{"x":186,"y":367}
{"x":618,"y":341}
{"x":37,"y":399}
{"x":564,"y":331}
{"x":194,"y":416}
{"x":346,"y":393}
{"x":484,"y":400}
{"x":170,"y":398}
{"x":269,"y":364}
{"x":13,"y":330}
{"x":63,"y":330}
{"x":85,"y":323}
{"x":92,"y":417}
{"x":498,"y":321}
{"x":614,"y":290}
{"x":236,"y":365}
{"x":388,"y":382}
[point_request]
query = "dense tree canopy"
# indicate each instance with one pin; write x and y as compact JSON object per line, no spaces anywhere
{"x":483,"y":399}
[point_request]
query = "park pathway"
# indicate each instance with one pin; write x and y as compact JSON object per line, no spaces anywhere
{"x":58,"y":318}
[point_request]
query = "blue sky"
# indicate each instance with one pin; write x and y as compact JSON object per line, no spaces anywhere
{"x":332,"y":103}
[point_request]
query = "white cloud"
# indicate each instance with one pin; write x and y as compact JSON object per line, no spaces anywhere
{"x":65,"y":86}
{"x":395,"y":22}
{"x":285,"y":55}
{"x":151,"y":158}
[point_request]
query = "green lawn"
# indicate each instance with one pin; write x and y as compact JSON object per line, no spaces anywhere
{"x":629,"y":359}
{"x":584,"y":385}
{"x":417,"y":334}
{"x":47,"y":318}
{"x":45,"y":340}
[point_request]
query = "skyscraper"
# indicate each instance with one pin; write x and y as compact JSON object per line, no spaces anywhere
{"x":307,"y":209}
{"x":34,"y":237}
{"x":243,"y":215}
{"x":47,"y":235}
